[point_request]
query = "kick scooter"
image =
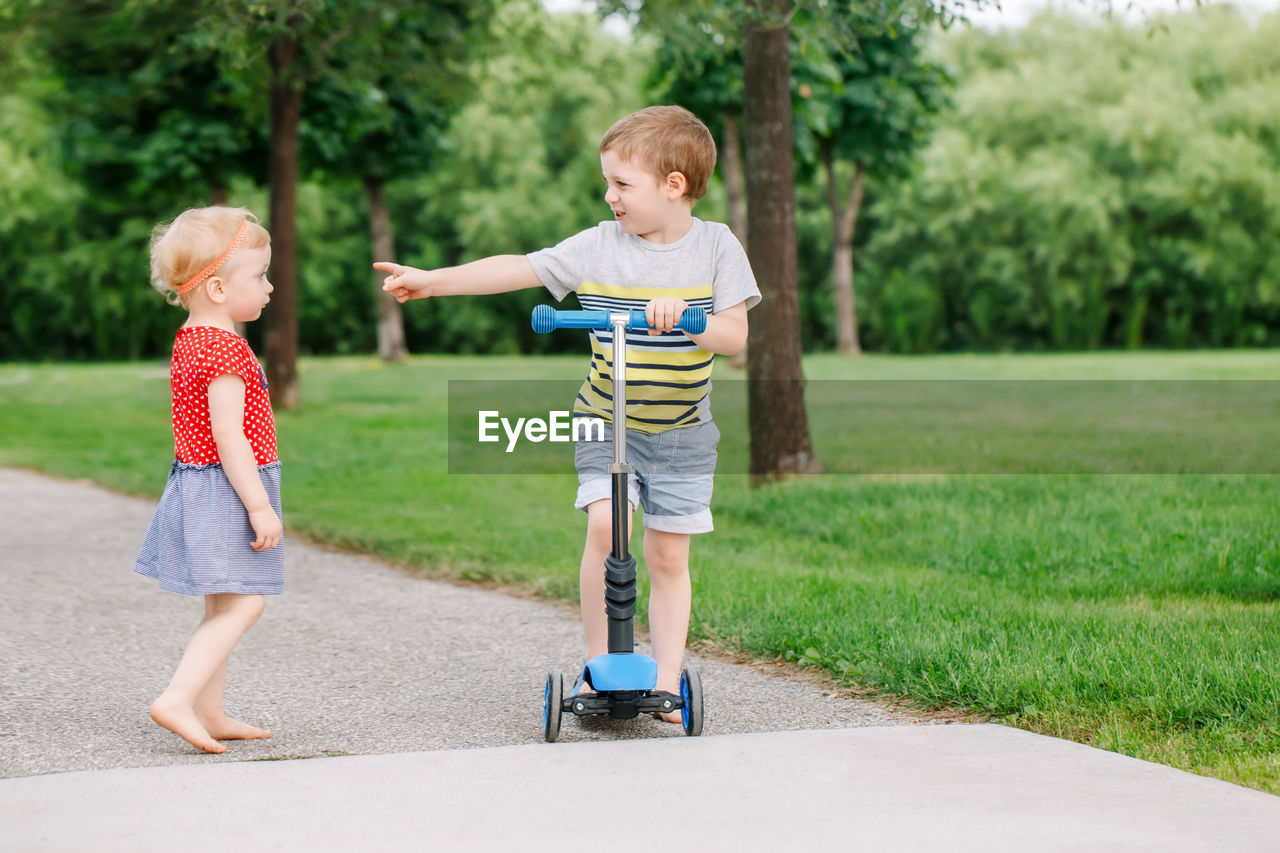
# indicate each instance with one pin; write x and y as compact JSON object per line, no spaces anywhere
{"x":624,"y":683}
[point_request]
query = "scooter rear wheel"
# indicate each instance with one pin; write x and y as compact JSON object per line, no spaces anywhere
{"x":551,"y":706}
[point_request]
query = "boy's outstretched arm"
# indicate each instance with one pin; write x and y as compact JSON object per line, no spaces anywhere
{"x":496,"y":274}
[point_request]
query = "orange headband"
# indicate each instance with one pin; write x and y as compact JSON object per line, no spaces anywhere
{"x":217,"y":262}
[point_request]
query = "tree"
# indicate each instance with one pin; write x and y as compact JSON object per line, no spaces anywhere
{"x":521,"y":168}
{"x":699,"y":66}
{"x":152,"y":106}
{"x":780,"y":442}
{"x":286,"y":111}
{"x":865,"y":98}
{"x":301,"y":39}
{"x":148,"y":123}
{"x":1096,"y":185}
{"x":377,"y":113}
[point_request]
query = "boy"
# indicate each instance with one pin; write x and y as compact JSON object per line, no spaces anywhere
{"x":654,"y":254}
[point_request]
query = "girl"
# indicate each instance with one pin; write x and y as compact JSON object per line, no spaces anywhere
{"x":217,"y":530}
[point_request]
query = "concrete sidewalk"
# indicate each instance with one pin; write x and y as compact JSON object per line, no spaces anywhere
{"x":987,"y":788}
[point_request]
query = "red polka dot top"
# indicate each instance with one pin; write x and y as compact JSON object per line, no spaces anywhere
{"x":200,"y":355}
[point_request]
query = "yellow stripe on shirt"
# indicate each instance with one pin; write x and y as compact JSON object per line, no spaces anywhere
{"x":668,"y":376}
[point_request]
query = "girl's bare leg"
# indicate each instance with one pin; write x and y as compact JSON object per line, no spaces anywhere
{"x":209,"y":712}
{"x":226,"y":618}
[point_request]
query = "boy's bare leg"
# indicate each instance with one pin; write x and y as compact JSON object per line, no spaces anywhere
{"x":670,"y":596}
{"x":595,"y":624}
{"x":226,"y":619}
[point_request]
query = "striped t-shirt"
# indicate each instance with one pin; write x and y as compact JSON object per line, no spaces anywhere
{"x":668,"y":376}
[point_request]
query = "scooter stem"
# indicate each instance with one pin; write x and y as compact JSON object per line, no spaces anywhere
{"x":620,"y":566}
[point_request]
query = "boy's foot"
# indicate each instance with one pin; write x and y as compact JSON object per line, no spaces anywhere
{"x":183,"y":723}
{"x":580,"y":686}
{"x":674,"y":716}
{"x":225,"y":728}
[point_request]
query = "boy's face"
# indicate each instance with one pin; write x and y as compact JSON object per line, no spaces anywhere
{"x":643,"y":204}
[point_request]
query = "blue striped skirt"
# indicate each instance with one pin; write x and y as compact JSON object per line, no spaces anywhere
{"x":198,"y":541}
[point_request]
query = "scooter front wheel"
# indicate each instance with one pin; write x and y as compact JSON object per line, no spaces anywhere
{"x":691,"y":694}
{"x":551,"y":706}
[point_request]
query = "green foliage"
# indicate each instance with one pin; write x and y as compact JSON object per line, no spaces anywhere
{"x":1094,"y":186}
{"x":37,"y":206}
{"x":87,"y":178}
{"x":137,"y":121}
{"x":520,"y":170}
{"x":1097,"y":186}
{"x":698,"y":63}
{"x":382,"y":99}
{"x":153,"y":108}
{"x":865,"y":91}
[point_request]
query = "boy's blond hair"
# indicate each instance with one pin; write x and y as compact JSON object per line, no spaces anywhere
{"x":182,"y":248}
{"x":664,"y":140}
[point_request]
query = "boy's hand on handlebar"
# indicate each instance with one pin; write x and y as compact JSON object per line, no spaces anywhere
{"x":404,"y":283}
{"x":663,"y":313}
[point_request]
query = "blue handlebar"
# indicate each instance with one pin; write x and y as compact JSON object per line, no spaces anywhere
{"x":546,"y":319}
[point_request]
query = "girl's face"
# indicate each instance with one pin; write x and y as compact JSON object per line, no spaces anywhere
{"x":245,"y":284}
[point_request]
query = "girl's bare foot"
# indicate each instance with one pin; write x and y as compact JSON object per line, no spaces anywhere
{"x":225,"y":728}
{"x":183,"y":723}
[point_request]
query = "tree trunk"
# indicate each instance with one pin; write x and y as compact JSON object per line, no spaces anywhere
{"x":843,"y":223}
{"x":780,"y":443}
{"x":391,"y":346}
{"x":731,"y":169}
{"x":736,"y":195}
{"x":282,"y":314}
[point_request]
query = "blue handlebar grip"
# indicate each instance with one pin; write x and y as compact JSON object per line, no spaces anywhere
{"x":543,"y":319}
{"x":693,"y":321}
{"x":547,"y":319}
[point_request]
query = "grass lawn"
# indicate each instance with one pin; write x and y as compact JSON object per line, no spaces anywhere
{"x":1135,"y":612}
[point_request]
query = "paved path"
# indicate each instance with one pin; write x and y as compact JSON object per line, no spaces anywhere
{"x":431,"y":693}
{"x":354,"y":658}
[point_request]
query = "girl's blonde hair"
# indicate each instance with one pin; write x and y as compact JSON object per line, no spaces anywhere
{"x":182,"y":248}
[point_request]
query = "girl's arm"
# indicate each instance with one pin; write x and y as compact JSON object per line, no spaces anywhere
{"x":226,"y":414}
{"x":496,"y":274}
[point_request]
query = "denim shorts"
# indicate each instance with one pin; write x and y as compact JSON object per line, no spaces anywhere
{"x":672,"y":480}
